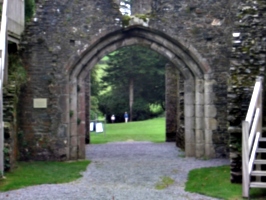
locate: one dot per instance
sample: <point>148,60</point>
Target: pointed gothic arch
<point>199,109</point>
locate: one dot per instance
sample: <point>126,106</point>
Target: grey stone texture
<point>67,38</point>
<point>10,126</point>
<point>172,103</point>
<point>247,62</point>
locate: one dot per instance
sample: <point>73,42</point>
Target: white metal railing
<point>251,132</point>
<point>3,63</point>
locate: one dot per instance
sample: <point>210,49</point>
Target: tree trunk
<point>131,98</point>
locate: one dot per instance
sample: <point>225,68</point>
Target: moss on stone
<point>125,20</point>
<point>144,17</point>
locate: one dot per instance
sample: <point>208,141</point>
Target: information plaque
<point>40,103</point>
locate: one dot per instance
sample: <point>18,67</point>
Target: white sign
<point>91,126</point>
<point>99,127</point>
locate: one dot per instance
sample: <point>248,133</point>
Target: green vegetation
<point>36,173</point>
<point>16,72</point>
<point>157,110</point>
<point>144,17</point>
<point>164,183</point>
<point>133,79</point>
<point>150,130</point>
<point>29,9</point>
<point>125,20</point>
<point>215,182</point>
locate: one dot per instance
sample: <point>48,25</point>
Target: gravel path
<point>124,171</point>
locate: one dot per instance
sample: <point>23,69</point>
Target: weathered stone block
<point>73,128</point>
<point>82,149</point>
<point>63,131</point>
<point>189,111</point>
<point>190,136</point>
<point>73,155</point>
<point>209,151</point>
<point>189,123</point>
<point>199,111</point>
<point>199,98</point>
<point>200,150</point>
<point>209,98</point>
<point>210,123</point>
<point>200,136</point>
<point>199,123</point>
<point>210,111</point>
<point>190,149</point>
<point>74,141</point>
<point>208,134</point>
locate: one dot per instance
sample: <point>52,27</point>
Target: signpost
<point>97,126</point>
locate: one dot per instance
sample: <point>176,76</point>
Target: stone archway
<point>199,109</point>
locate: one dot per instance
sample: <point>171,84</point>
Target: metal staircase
<point>253,153</point>
<point>12,25</point>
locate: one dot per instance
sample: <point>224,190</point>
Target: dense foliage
<point>136,76</point>
<point>29,9</point>
<point>95,89</point>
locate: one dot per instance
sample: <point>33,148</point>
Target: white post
<point>245,159</point>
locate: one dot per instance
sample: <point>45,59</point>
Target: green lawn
<point>36,173</point>
<point>212,181</point>
<point>149,130</point>
<point>215,182</point>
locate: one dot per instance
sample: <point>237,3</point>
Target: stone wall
<point>63,31</point>
<point>247,62</point>
<point>10,126</point>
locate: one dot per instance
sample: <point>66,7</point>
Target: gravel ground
<point>124,171</point>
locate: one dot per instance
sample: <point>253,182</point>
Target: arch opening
<point>197,108</point>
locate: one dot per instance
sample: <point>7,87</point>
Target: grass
<point>149,130</point>
<point>164,183</point>
<point>215,182</point>
<point>41,172</point>
<point>212,181</point>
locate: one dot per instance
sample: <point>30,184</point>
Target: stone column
<point>189,106</point>
<point>210,114</point>
<point>171,102</point>
<point>199,118</point>
<point>81,121</point>
<point>73,120</point>
<point>64,128</point>
<point>87,92</point>
<point>180,136</point>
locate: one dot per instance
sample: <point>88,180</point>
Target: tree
<point>94,92</point>
<point>29,9</point>
<point>138,73</point>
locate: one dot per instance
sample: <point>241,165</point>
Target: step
<point>257,185</point>
<point>263,139</point>
<point>258,173</point>
<point>260,162</point>
<point>261,150</point>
